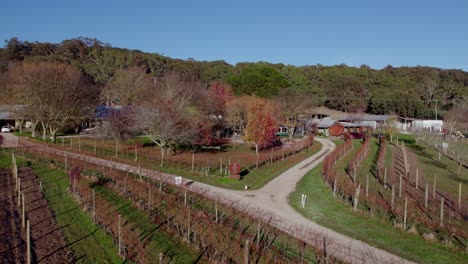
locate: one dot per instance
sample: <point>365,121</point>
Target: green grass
<point>89,243</point>
<point>256,178</point>
<point>159,241</point>
<point>445,169</point>
<point>327,211</point>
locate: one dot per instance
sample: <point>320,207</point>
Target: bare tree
<point>292,103</point>
<point>126,86</point>
<point>52,94</point>
<point>167,117</point>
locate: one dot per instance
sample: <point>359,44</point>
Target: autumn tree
<point>292,102</point>
<point>126,86</point>
<point>237,111</point>
<point>261,126</point>
<point>52,94</point>
<point>167,117</point>
<point>219,94</point>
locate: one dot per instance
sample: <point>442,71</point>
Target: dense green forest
<point>407,91</point>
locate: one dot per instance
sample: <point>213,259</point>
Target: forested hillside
<point>407,91</point>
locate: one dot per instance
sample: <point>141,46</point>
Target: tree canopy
<point>411,91</point>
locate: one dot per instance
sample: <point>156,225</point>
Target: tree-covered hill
<point>407,91</point>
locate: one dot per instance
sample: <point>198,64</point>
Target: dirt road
<point>269,202</point>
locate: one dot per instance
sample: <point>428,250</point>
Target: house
<point>366,120</point>
<point>330,127</point>
<point>9,117</point>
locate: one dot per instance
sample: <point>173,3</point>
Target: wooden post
<point>28,243</point>
<point>185,197</point>
<point>188,229</point>
<point>367,186</point>
<point>94,206</point>
<point>405,213</point>
<point>259,228</point>
<point>459,196</point>
<point>149,197</point>
<point>216,211</point>
<point>393,197</point>
<point>19,192</point>
<point>399,186</point>
<point>125,183</point>
<point>120,238</point>
<point>246,252</point>
<point>356,197</point>
<point>417,178</point>
<point>136,152</point>
<point>221,166</point>
<point>160,258</point>
<point>23,211</point>
<point>434,187</point>
<point>160,186</point>
<point>334,187</point>
<point>193,160</point>
<point>441,211</point>
<point>385,178</point>
<point>426,194</point>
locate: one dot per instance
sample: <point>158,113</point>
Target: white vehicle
<point>5,129</point>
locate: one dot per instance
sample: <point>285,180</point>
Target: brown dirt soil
<point>409,182</point>
<point>48,241</point>
<point>12,243</point>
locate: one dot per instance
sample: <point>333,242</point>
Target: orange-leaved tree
<point>261,125</point>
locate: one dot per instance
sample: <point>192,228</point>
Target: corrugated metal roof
<point>325,123</point>
<point>366,117</point>
<point>6,112</point>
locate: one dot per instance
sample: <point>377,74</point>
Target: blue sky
<point>376,33</point>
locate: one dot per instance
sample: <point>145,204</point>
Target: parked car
<point>5,129</point>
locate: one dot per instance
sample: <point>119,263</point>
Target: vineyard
<point>399,195</point>
<point>204,162</point>
<point>29,231</point>
<point>196,224</point>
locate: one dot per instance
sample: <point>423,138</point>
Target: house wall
<point>433,125</point>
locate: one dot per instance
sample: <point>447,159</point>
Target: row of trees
<point>172,110</point>
<point>407,91</point>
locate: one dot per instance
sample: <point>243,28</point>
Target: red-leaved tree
<point>261,126</point>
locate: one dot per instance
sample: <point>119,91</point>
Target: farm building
<point>431,125</point>
<point>355,127</point>
<point>8,117</point>
<point>365,120</point>
<point>330,127</point>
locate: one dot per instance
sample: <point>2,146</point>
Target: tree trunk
<point>33,128</point>
<point>21,125</point>
<point>53,133</point>
<point>162,156</point>
<point>44,130</point>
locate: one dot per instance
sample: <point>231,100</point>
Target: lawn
<point>332,213</point>
<point>89,243</point>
